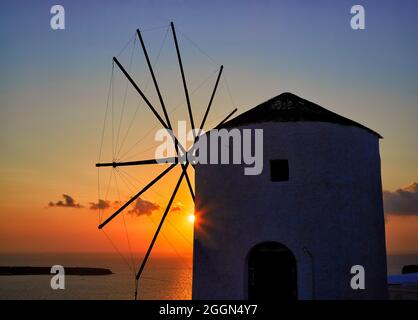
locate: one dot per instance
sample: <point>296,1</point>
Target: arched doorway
<point>271,272</point>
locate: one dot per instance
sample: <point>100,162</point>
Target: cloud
<point>177,207</point>
<point>68,202</point>
<point>101,204</point>
<point>403,201</point>
<point>144,207</point>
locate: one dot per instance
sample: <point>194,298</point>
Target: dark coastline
<point>75,271</point>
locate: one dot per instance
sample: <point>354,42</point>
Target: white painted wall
<point>331,205</point>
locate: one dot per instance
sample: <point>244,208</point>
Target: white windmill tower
<point>295,230</point>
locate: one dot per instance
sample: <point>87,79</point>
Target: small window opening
<point>279,170</point>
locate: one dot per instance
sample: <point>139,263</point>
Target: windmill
<point>183,155</point>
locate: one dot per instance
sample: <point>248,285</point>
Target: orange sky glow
<point>55,90</point>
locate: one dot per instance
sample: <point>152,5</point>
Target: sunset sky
<point>54,89</point>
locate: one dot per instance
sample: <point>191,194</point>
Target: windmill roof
<point>288,107</point>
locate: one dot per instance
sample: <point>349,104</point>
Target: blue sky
<point>56,80</point>
<point>54,85</point>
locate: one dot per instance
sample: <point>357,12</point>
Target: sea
<point>167,278</point>
<point>163,278</point>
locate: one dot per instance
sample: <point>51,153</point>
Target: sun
<point>191,218</point>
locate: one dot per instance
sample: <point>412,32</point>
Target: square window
<point>279,170</point>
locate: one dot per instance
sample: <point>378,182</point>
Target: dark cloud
<point>403,201</point>
<point>144,207</point>
<point>68,202</point>
<point>101,204</point>
<point>177,207</point>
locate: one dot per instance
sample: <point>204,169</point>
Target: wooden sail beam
<point>149,185</point>
<point>138,163</point>
<point>154,238</point>
<point>196,138</point>
<point>157,88</point>
<point>211,98</point>
<point>183,77</point>
<point>167,210</point>
<point>192,149</point>
<point>147,101</point>
<point>140,92</point>
<point>159,119</point>
<point>160,97</point>
<point>226,118</point>
<point>167,125</point>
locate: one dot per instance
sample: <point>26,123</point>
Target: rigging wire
<point>164,198</point>
<point>179,232</point>
<point>174,249</point>
<point>126,181</point>
<point>139,141</point>
<point>155,28</point>
<point>126,154</point>
<point>213,61</point>
<point>224,78</point>
<point>127,174</point>
<point>107,237</point>
<point>106,112</point>
<point>146,87</point>
<point>143,151</point>
<point>136,281</point>
<point>125,95</point>
<point>178,105</point>
<point>106,195</point>
<point>201,84</point>
<point>102,139</point>
<point>116,149</point>
<point>229,91</point>
<point>124,223</point>
<point>126,45</point>
<point>134,273</point>
<point>198,47</point>
<point>118,251</point>
<point>130,267</point>
<point>98,197</point>
<point>182,258</point>
<point>215,120</point>
<point>112,111</point>
<point>134,36</point>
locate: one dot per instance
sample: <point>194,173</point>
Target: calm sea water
<point>164,278</point>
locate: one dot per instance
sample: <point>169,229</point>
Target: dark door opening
<point>271,272</point>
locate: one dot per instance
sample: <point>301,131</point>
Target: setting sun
<point>191,218</point>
